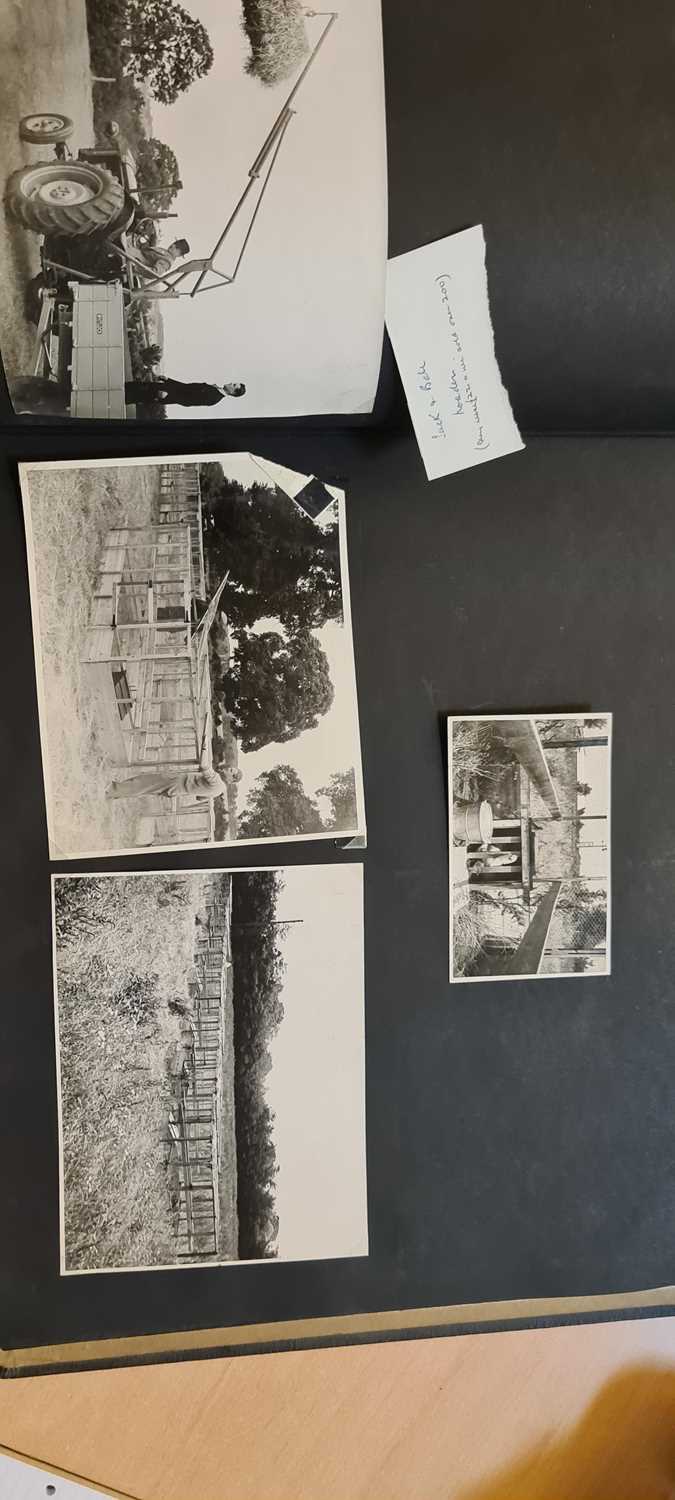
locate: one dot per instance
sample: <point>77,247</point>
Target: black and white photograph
<point>194,654</point>
<point>210,1055</point>
<point>530,846</point>
<point>194,208</point>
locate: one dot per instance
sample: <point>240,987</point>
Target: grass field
<point>120,957</point>
<point>70,511</point>
<point>46,65</point>
<point>125,949</point>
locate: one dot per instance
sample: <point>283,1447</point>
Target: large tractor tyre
<point>64,197</point>
<point>49,128</point>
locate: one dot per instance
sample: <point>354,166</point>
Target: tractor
<point>79,204</point>
<point>96,256</point>
<point>89,211</point>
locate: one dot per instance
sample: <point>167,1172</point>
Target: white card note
<point>28,1480</point>
<point>438,318</point>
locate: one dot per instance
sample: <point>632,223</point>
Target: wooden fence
<point>194,1124</point>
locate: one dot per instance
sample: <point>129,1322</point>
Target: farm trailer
<point>81,346</point>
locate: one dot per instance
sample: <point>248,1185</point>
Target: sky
<point>302,325</point>
<point>334,744</point>
<point>593,770</point>
<point>317,1084</point>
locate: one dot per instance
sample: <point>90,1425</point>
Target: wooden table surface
<point>558,1414</point>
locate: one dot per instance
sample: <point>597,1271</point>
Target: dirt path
<point>45,52</point>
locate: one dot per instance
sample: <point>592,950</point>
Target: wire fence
<point>495,922</point>
<point>577,939</point>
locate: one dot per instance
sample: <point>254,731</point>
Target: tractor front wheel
<point>70,197</point>
<point>48,128</point>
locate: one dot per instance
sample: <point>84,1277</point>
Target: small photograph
<point>210,1064</point>
<point>530,845</point>
<point>194,654</point>
<point>194,208</point>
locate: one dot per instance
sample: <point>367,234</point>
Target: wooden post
<point>590,741</point>
<point>528,955</point>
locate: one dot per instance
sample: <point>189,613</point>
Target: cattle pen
<point>146,661</point>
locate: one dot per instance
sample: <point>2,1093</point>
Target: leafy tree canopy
<point>278,807</point>
<point>281,564</point>
<point>158,173</point>
<point>341,794</point>
<point>150,356</point>
<point>258,1011</point>
<point>277,687</point>
<point>166,48</point>
<point>557,729</point>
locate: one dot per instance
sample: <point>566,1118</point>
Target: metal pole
<point>269,141</point>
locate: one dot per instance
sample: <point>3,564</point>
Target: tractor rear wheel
<point>69,197</point>
<point>48,128</point>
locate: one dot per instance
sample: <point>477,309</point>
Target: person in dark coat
<point>37,394</point>
<point>167,392</point>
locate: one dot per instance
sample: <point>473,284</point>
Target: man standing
<point>205,784</point>
<point>42,396</point>
<point>167,392</point>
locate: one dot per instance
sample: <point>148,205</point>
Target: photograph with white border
<point>194,654</point>
<point>210,1066</point>
<point>529,798</point>
<point>195,208</point>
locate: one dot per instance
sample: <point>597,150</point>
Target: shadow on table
<point>623,1448</point>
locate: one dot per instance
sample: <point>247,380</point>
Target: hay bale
<point>277,37</point>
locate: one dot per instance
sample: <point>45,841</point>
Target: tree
<point>166,48</point>
<point>585,915</point>
<point>257,1014</point>
<point>158,173</point>
<point>583,789</point>
<point>341,794</point>
<point>281,563</point>
<point>150,356</point>
<point>276,687</point>
<point>569,729</point>
<point>154,411</point>
<point>278,807</point>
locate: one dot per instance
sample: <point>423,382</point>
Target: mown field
<point>45,65</point>
<point>70,512</point>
